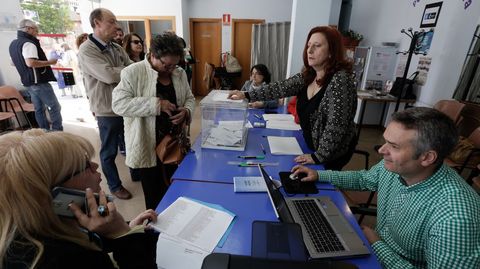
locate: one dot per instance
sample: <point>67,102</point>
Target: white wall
<point>136,8</point>
<point>11,14</point>
<point>382,21</point>
<point>305,15</point>
<point>268,10</point>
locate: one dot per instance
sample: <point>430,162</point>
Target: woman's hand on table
<point>236,95</point>
<point>304,159</point>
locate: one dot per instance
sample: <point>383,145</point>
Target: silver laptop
<point>326,232</point>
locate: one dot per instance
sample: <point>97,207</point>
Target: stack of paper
<point>281,121</point>
<point>190,230</point>
<point>280,145</point>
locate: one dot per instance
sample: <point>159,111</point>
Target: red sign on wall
<point>226,19</point>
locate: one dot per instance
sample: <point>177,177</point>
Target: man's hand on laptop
<point>311,175</point>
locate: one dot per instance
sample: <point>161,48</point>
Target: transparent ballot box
<point>223,122</point>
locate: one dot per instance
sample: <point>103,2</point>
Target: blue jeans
<point>110,128</point>
<point>42,96</point>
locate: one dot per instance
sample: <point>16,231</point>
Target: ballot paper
<point>194,223</point>
<point>280,145</point>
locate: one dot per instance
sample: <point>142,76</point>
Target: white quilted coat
<point>135,100</point>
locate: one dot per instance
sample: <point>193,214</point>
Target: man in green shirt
<point>427,216</point>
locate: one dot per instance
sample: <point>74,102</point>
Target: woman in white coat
<point>152,96</point>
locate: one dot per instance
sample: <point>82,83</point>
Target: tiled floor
<point>79,120</point>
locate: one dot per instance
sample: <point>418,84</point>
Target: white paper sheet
<point>173,253</point>
<point>193,223</point>
<point>249,184</point>
<point>281,121</point>
<point>278,117</point>
<point>284,145</point>
<point>283,125</point>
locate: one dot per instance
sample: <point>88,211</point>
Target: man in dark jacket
<point>35,73</point>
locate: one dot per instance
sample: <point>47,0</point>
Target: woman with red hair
<point>326,99</point>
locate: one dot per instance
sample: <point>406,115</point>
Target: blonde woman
<point>33,236</point>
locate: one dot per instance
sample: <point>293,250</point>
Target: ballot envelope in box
<point>223,122</point>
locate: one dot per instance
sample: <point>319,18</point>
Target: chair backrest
<point>474,137</point>
<point>11,92</point>
<point>452,108</point>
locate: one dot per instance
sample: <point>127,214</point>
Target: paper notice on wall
<point>402,62</point>
<point>423,68</point>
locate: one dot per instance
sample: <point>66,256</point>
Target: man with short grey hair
<point>101,62</point>
<point>427,215</point>
<point>35,73</point>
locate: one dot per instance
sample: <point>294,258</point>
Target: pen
<point>263,149</point>
<point>248,164</point>
<point>252,157</point>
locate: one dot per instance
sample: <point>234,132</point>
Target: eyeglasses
<point>88,165</point>
<point>168,67</point>
<point>136,42</point>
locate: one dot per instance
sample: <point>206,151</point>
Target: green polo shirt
<point>432,224</point>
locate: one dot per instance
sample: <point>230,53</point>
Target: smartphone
<point>62,197</point>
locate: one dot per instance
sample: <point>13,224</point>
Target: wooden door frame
<point>146,20</point>
<point>192,21</point>
<point>254,21</point>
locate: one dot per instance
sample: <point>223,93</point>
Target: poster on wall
<point>402,63</point>
<point>431,14</point>
<point>423,67</point>
<point>424,42</point>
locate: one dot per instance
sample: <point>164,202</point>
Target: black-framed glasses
<point>168,67</point>
<point>136,42</point>
<point>88,165</point>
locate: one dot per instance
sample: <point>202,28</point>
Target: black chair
<point>364,209</point>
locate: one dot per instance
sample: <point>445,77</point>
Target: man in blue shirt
<point>35,72</point>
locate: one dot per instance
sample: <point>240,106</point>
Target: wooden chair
<point>16,102</point>
<point>452,108</point>
<point>6,116</point>
<point>474,138</point>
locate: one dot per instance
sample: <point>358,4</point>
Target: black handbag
<point>407,87</point>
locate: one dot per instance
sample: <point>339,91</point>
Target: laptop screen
<point>276,198</point>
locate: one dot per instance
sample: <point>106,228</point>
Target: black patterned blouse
<point>332,123</point>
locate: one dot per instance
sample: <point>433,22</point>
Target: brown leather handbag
<point>174,146</point>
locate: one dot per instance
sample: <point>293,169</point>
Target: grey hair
<point>435,130</point>
<point>23,24</point>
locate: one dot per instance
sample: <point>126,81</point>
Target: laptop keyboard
<point>317,226</point>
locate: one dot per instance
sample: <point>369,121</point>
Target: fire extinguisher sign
<point>226,19</point>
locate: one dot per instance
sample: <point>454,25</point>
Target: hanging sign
<point>226,19</point>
